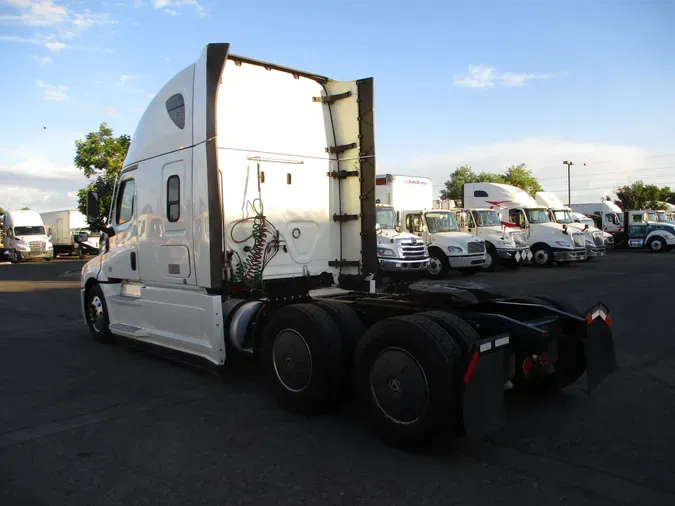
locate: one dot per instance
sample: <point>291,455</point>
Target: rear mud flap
<point>599,346</point>
<point>483,394</point>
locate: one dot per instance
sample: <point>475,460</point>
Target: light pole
<point>569,192</point>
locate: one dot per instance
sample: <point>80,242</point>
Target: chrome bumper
<point>569,255</point>
<point>398,265</point>
<point>594,251</point>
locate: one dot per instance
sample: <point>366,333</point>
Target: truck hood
<point>32,238</point>
<point>452,238</point>
<point>386,236</point>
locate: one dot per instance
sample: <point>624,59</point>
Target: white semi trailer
<point>262,180</point>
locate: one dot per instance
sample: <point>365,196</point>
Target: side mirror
<point>397,228</point>
<point>92,207</point>
<point>377,227</point>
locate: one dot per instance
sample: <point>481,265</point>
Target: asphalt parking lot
<point>87,424</point>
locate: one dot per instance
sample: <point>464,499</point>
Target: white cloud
<point>42,60</point>
<point>163,4</point>
<point>607,166</point>
<point>53,92</point>
<point>38,167</point>
<point>67,22</point>
<point>484,76</point>
<point>53,46</point>
<point>112,112</point>
<point>38,199</point>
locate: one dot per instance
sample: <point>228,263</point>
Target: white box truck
<point>24,237</point>
<point>560,213</point>
<point>67,229</point>
<point>262,180</point>
<point>449,247</point>
<point>606,214</point>
<point>549,242</point>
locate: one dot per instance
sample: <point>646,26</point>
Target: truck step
<point>128,330</point>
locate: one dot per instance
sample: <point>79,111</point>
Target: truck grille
<point>579,241</point>
<point>599,239</point>
<point>477,247</point>
<point>36,247</point>
<point>413,251</point>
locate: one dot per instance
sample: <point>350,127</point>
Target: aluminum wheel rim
<point>292,360</point>
<point>399,386</point>
<point>435,267</point>
<point>656,245</point>
<point>488,260</point>
<point>96,313</point>
<point>541,256</point>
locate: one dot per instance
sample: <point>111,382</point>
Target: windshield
<point>441,221</point>
<point>486,218</point>
<point>537,216</point>
<point>588,222</point>
<point>37,230</point>
<point>386,218</point>
<point>563,216</point>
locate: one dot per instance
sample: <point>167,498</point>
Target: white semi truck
<point>263,179</point>
<point>505,246</point>
<point>25,238</point>
<point>449,247</point>
<point>549,242</point>
<point>559,213</point>
<point>606,214</point>
<point>67,230</point>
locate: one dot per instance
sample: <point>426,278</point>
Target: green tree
<point>25,209</point>
<point>641,196</point>
<point>521,177</point>
<point>2,210</point>
<point>516,175</point>
<point>100,156</point>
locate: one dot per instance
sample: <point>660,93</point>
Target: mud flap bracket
<point>599,349</point>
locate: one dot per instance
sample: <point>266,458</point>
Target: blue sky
<point>488,83</point>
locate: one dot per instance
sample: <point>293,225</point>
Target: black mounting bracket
<point>342,174</point>
<point>344,263</point>
<point>340,149</point>
<point>329,99</point>
<point>345,217</point>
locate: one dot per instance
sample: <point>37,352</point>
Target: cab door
<point>121,260</point>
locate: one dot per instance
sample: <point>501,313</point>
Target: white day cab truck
<point>449,248</point>
<point>639,232</point>
<point>24,237</point>
<point>70,233</point>
<point>561,214</point>
<point>549,242</point>
<point>504,246</point>
<point>272,257</point>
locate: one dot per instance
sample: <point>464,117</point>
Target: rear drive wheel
<point>303,354</point>
<point>463,333</point>
<point>405,371</point>
<point>97,315</point>
<point>348,322</point>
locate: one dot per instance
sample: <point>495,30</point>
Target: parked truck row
<point>271,227</point>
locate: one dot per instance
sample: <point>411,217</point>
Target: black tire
<point>438,264</point>
<point>306,336</point>
<point>428,356</point>
<point>542,256</point>
<point>463,333</point>
<point>657,245</point>
<point>14,257</point>
<point>348,322</point>
<point>96,312</point>
<point>571,363</point>
<point>493,257</point>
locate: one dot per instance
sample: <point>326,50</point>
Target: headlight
<point>455,249</point>
<point>385,252</point>
<point>50,245</point>
<point>563,244</point>
<point>510,244</point>
<point>23,247</point>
